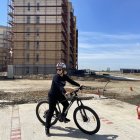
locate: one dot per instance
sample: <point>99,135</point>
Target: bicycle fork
<point>82,111</point>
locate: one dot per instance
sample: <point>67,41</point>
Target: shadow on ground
<point>76,133</point>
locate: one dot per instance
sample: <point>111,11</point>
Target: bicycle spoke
<point>90,124</point>
<point>41,111</point>
<point>86,120</point>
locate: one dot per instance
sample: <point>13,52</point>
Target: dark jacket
<point>58,84</point>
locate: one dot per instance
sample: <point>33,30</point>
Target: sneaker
<point>47,130</point>
<point>61,118</point>
<point>66,120</point>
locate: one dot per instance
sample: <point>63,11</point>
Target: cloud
<point>106,55</point>
<point>99,35</point>
<point>100,46</point>
<point>130,49</point>
<point>88,45</point>
<point>95,37</point>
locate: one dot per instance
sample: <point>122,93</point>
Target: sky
<point>109,33</point>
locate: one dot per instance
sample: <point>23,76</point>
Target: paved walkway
<point>118,122</point>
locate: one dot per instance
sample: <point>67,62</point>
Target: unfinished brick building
<point>42,33</point>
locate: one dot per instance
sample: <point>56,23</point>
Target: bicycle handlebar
<point>76,90</point>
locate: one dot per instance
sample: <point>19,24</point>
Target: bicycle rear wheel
<point>41,112</point>
<point>86,120</point>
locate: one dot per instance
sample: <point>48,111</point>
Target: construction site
<point>41,34</point>
<point>116,103</point>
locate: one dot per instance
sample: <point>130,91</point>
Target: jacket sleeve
<point>58,85</point>
<point>72,81</point>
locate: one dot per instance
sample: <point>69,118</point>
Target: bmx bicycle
<point>85,118</point>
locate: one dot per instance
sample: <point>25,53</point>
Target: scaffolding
<point>41,34</point>
<point>3,48</point>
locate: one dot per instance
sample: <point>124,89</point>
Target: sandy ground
<point>119,120</point>
<point>24,90</point>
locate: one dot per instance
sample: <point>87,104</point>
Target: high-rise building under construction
<point>42,33</point>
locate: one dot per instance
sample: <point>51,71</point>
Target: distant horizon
<point>111,69</point>
<point>109,33</point>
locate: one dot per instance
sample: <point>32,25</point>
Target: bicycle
<point>85,118</point>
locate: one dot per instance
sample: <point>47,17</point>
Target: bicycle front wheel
<point>41,112</point>
<point>86,120</point>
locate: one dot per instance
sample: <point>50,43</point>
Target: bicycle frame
<point>79,103</point>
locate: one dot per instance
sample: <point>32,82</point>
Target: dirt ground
<point>27,90</point>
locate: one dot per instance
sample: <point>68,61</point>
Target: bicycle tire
<point>41,117</point>
<point>80,126</point>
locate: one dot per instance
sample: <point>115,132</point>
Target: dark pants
<point>53,99</point>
